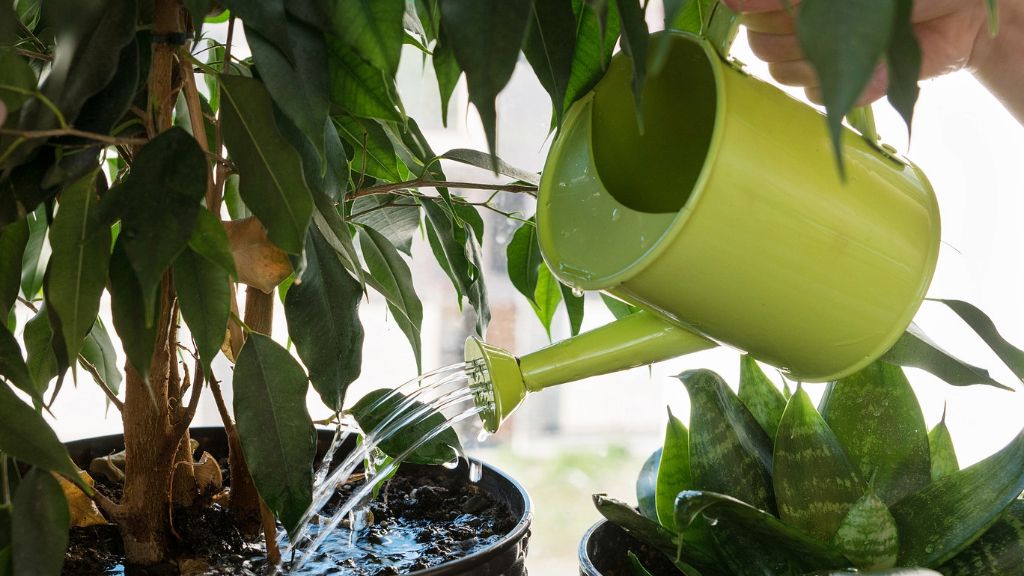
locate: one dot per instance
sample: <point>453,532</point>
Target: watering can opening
<point>650,162</point>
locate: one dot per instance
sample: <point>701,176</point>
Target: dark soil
<point>418,521</point>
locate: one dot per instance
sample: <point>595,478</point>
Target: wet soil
<point>418,521</point>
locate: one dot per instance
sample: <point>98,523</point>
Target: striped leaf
<point>943,454</point>
<point>997,553</point>
<point>673,471</point>
<point>867,536</point>
<point>760,395</point>
<point>729,452</point>
<point>878,421</point>
<point>646,486</point>
<point>949,514</point>
<point>815,483</point>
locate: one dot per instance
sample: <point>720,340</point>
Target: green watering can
<point>727,222</point>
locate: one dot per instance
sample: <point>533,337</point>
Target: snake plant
<point>764,484</point>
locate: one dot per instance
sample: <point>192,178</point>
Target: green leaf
<point>277,434</point>
<point>448,72</point>
<point>549,47</point>
<point>867,535</point>
<point>16,79</point>
<point>594,45</point>
<point>641,528</point>
<point>950,513</point>
<point>893,572</point>
<point>357,87</point>
<point>374,154</point>
<point>12,365</point>
<point>271,179</point>
<point>878,421</point>
<point>634,44</point>
<point>265,16</point>
<point>752,534</point>
<point>210,240</point>
<point>323,321</point>
<point>997,552</point>
<point>393,274</point>
<point>760,396</point>
<point>903,57</point>
<point>40,521</point>
<point>204,294</point>
<point>485,36</point>
<point>13,239</point>
<point>297,80</point>
<point>395,217</point>
<point>674,474</point>
<point>943,454</point>
<point>728,449</point>
<point>197,10</point>
<point>917,350</point>
<point>378,408</point>
<point>159,204</point>
<point>338,235</point>
<point>647,486</point>
<point>618,308</point>
<point>40,359</point>
<point>98,350</point>
<point>546,298</point>
<point>844,41</point>
<point>37,254</point>
<point>815,483</point>
<point>450,254</point>
<point>983,326</point>
<point>27,437</point>
<point>524,260</point>
<point>77,272</point>
<point>489,162</point>
<point>373,28</point>
<point>130,310</point>
<point>574,307</point>
<point>688,15</point>
<point>636,567</point>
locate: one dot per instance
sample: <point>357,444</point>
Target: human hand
<point>950,32</point>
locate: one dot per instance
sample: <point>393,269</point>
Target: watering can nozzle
<point>495,375</point>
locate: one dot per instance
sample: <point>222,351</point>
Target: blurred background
<point>570,442</point>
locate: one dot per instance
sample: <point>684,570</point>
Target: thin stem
<point>56,132</point>
<point>195,115</point>
<point>33,54</point>
<point>421,183</point>
<point>193,401</point>
<point>222,407</point>
<point>28,304</point>
<point>101,382</point>
<point>24,30</point>
<point>221,172</point>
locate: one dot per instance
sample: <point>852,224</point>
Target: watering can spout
<point>635,340</point>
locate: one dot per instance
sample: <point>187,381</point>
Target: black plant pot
<point>604,548</point>
<point>507,557</point>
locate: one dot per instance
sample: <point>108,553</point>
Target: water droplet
<point>616,215</point>
<point>476,471</point>
<point>483,436</point>
<point>577,292</point>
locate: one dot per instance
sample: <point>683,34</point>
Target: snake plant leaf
<point>903,57</point>
<point>204,295</point>
<point>378,414</point>
<point>943,454</point>
<point>844,41</point>
<point>746,532</point>
<point>635,37</point>
<point>549,47</point>
<point>393,274</point>
<point>674,474</point>
<point>878,421</point>
<point>26,436</point>
<point>682,553</point>
<point>983,326</point>
<point>916,349</point>
<point>276,431</point>
<point>77,271</point>
<point>595,41</point>
<point>485,36</point>
<point>815,483</point>
<point>37,254</point>
<point>322,311</point>
<point>997,552</point>
<point>271,181</point>
<point>949,514</point>
<point>867,535</point>
<point>760,396</point>
<point>647,485</point>
<point>40,521</point>
<point>13,239</point>
<point>729,452</point>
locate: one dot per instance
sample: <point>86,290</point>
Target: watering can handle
<point>721,29</point>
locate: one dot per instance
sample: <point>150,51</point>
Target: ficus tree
<point>144,160</point>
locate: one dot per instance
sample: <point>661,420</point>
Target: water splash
<point>449,391</point>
